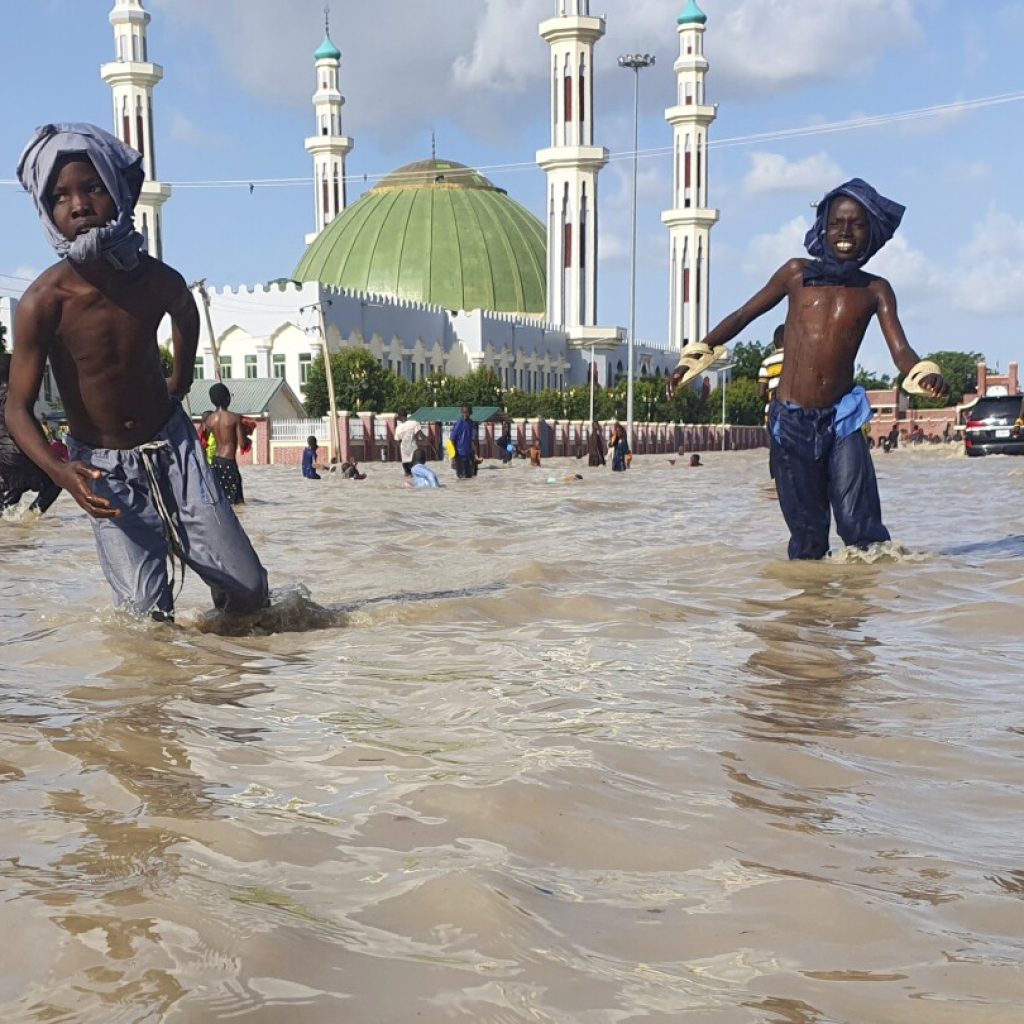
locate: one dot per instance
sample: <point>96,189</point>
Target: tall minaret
<point>690,221</point>
<point>328,146</point>
<point>572,163</point>
<point>132,78</point>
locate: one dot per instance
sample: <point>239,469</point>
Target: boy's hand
<point>935,385</point>
<point>673,382</point>
<point>74,478</point>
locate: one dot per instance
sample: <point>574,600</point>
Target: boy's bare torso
<point>103,349</point>
<point>225,426</point>
<point>825,326</point>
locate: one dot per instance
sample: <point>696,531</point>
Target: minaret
<point>690,221</point>
<point>572,163</point>
<point>132,78</point>
<point>328,146</point>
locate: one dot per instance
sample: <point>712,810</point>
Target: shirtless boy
<point>819,453</point>
<point>226,427</point>
<point>136,465</point>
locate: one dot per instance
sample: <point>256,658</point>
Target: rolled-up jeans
<point>815,471</point>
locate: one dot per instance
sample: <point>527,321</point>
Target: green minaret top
<point>327,51</point>
<point>692,14</point>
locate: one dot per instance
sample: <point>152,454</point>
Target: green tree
<point>961,372</point>
<point>480,387</point>
<point>743,405</point>
<point>872,381</point>
<point>167,360</point>
<point>361,384</point>
<point>746,359</point>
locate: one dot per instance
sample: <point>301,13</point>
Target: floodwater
<point>581,752</point>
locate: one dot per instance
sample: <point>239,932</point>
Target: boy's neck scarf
<point>884,218</point>
<point>120,169</point>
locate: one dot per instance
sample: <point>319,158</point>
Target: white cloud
<point>405,65</point>
<point>907,269</point>
<point>772,172</point>
<point>186,131</point>
<point>763,46</point>
<point>989,278</point>
<point>766,253</point>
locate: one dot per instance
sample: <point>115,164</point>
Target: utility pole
<point>335,439</point>
<point>200,286</point>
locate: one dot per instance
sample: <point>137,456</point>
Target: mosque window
<point>277,365</point>
<point>689,94</point>
<point>567,244</point>
<point>567,96</point>
<point>251,369</point>
<point>305,361</point>
<point>199,370</point>
<point>47,385</point>
<point>225,366</point>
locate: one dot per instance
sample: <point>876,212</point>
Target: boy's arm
<point>903,355</point>
<point>184,316</point>
<point>35,325</point>
<point>767,298</point>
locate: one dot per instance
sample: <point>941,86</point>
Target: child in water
<point>136,464</point>
<point>818,452</point>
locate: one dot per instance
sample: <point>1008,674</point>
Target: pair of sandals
<point>697,357</point>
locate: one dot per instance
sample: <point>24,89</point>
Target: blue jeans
<point>817,472</point>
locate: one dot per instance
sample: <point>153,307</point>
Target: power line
<point>828,128</point>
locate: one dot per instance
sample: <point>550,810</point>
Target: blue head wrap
<point>120,169</point>
<point>884,218</point>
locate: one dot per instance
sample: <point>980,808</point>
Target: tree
<point>167,360</point>
<point>746,359</point>
<point>480,387</point>
<point>871,381</point>
<point>361,384</point>
<point>743,405</point>
<point>961,372</point>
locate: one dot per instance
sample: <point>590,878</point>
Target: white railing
<point>298,431</point>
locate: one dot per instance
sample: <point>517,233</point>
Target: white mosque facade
<point>399,273</point>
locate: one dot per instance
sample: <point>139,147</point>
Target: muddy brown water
<point>580,752</point>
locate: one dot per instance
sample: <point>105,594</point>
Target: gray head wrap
<point>119,167</point>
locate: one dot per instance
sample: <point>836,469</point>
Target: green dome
<point>436,232</point>
<point>327,51</point>
<point>692,14</point>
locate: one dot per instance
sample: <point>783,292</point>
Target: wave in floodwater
<point>515,751</point>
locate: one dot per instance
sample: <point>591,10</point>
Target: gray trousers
<point>190,508</point>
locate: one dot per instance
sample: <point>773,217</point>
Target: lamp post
<point>634,61</point>
<point>724,371</point>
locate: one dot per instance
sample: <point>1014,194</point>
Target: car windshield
<point>1005,408</point>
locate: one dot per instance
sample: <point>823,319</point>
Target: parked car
<point>994,426</point>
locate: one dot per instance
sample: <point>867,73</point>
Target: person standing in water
<point>226,427</point>
<point>136,465</point>
<point>818,451</point>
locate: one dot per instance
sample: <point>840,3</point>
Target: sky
<point>235,105</point>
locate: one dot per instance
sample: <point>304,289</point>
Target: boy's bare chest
<point>95,327</point>
<point>819,308</point>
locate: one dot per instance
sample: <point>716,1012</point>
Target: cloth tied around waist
<point>812,433</point>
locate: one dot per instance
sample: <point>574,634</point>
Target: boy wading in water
<point>226,427</point>
<point>818,451</point>
<point>137,467</point>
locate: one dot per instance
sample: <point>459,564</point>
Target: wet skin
<point>226,427</point>
<point>825,325</point>
<point>98,328</point>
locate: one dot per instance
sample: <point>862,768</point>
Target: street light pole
<point>634,61</point>
<point>724,371</point>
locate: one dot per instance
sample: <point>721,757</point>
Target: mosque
<point>435,268</point>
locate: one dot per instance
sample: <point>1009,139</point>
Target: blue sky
<point>235,104</point>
